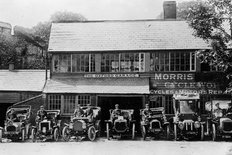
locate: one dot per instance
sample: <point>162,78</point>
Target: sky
<point>28,13</point>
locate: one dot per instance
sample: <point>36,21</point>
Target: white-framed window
<point>54,102</point>
<point>173,61</point>
<point>123,62</point>
<point>67,102</point>
<point>75,63</point>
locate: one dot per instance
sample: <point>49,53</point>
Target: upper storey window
<point>123,62</point>
<point>173,61</point>
<point>75,63</point>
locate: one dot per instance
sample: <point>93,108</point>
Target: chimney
<point>169,9</point>
<point>11,66</point>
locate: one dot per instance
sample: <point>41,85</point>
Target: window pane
<point>54,102</point>
<point>69,104</point>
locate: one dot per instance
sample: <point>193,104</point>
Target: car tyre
<point>56,134</point>
<point>202,132</point>
<point>107,131</point>
<point>175,132</point>
<point>23,134</point>
<point>0,135</point>
<point>133,131</point>
<point>65,134</point>
<point>168,132</point>
<point>214,132</point>
<point>33,135</point>
<point>92,133</point>
<point>143,130</point>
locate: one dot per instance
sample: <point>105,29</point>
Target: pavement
<point>103,146</point>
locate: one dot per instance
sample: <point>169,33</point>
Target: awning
<point>98,86</point>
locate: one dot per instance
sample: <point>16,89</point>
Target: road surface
<point>117,147</point>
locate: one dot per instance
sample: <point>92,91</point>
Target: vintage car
<point>122,125</point>
<point>82,127</point>
<point>219,122</point>
<point>187,122</point>
<point>155,124</point>
<point>47,128</point>
<point>17,126</point>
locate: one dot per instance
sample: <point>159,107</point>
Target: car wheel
<point>133,131</point>
<point>107,131</point>
<point>91,133</point>
<point>33,135</point>
<point>214,133</point>
<point>202,132</point>
<point>0,135</point>
<point>56,134</point>
<point>168,132</point>
<point>65,134</point>
<point>23,135</point>
<point>175,131</point>
<point>143,130</point>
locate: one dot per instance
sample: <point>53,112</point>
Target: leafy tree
<point>211,20</point>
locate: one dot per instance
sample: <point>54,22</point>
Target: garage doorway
<point>125,102</point>
<point>3,108</point>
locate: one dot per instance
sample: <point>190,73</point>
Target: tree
<point>211,20</point>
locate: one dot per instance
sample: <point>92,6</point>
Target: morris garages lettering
<point>178,76</point>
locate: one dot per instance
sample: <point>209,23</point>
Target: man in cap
<point>229,109</point>
<point>218,111</point>
<point>41,114</point>
<point>78,112</point>
<point>147,111</point>
<point>89,112</point>
<point>116,112</point>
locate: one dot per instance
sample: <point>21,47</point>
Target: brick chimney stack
<point>169,9</point>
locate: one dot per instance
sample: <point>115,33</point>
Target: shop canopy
<point>98,86</point>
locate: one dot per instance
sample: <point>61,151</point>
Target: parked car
<point>156,124</point>
<point>47,128</point>
<point>219,123</point>
<point>81,127</point>
<point>122,125</point>
<point>187,122</point>
<point>17,126</point>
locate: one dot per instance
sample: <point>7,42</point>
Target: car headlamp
<point>83,125</point>
<point>181,125</point>
<point>71,125</point>
<point>197,124</point>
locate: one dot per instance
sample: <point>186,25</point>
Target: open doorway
<point>128,102</point>
<point>3,109</point>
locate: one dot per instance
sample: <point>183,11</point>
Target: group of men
<point>218,111</point>
<point>79,112</point>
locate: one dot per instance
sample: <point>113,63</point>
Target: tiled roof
<point>123,35</point>
<point>22,80</point>
<point>101,86</point>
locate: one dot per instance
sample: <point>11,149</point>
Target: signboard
<point>181,83</point>
<point>110,75</point>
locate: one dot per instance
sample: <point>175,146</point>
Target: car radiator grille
<point>155,125</point>
<point>44,125</point>
<point>120,126</point>
<point>11,128</point>
<point>227,126</point>
<point>77,126</point>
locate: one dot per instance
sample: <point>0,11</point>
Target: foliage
<point>211,21</point>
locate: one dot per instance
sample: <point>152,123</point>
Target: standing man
<point>146,113</point>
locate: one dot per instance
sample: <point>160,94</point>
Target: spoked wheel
<point>143,130</point>
<point>65,134</point>
<point>92,133</point>
<point>0,135</point>
<point>23,135</point>
<point>202,132</point>
<point>214,133</point>
<point>133,131</point>
<point>168,132</point>
<point>33,135</point>
<point>107,131</point>
<point>175,131</point>
<point>56,134</point>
